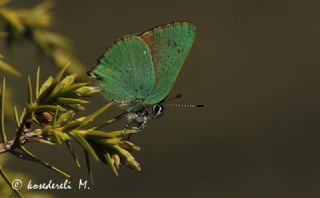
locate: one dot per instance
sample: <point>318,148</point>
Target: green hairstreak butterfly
<point>138,71</point>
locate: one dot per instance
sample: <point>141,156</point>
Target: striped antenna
<point>164,103</point>
<point>186,105</point>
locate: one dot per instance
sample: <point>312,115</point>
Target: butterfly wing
<point>169,46</point>
<point>125,72</point>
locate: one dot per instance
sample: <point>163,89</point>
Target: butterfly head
<point>157,110</point>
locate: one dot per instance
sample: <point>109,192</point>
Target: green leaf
<point>110,162</point>
<point>37,82</point>
<point>95,114</point>
<point>72,125</point>
<point>112,134</point>
<point>44,163</point>
<point>58,77</point>
<point>47,108</point>
<point>76,124</point>
<point>62,100</point>
<point>47,39</point>
<point>72,88</point>
<point>16,117</point>
<point>129,159</point>
<point>86,91</point>
<point>65,117</point>
<point>5,67</point>
<point>116,160</point>
<point>88,164</point>
<point>74,107</point>
<point>30,96</point>
<point>3,132</point>
<point>12,19</point>
<point>129,146</point>
<point>84,143</point>
<point>24,110</point>
<point>73,154</point>
<point>46,84</point>
<point>67,81</point>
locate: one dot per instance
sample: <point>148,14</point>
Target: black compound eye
<point>157,110</point>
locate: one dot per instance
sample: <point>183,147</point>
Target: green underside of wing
<point>144,68</point>
<point>169,46</point>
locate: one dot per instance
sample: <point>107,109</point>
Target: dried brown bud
<point>28,123</point>
<point>44,117</point>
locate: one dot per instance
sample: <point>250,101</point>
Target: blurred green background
<point>256,66</point>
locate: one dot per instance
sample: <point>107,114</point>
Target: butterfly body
<point>140,112</point>
<point>138,71</point>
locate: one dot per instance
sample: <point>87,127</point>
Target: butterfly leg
<point>131,117</point>
<point>140,120</point>
<point>128,126</point>
<point>143,123</point>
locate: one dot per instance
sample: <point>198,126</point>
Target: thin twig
<point>10,145</point>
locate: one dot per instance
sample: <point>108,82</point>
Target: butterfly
<point>138,71</point>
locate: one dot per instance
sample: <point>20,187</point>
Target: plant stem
<point>21,129</point>
<point>10,145</point>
